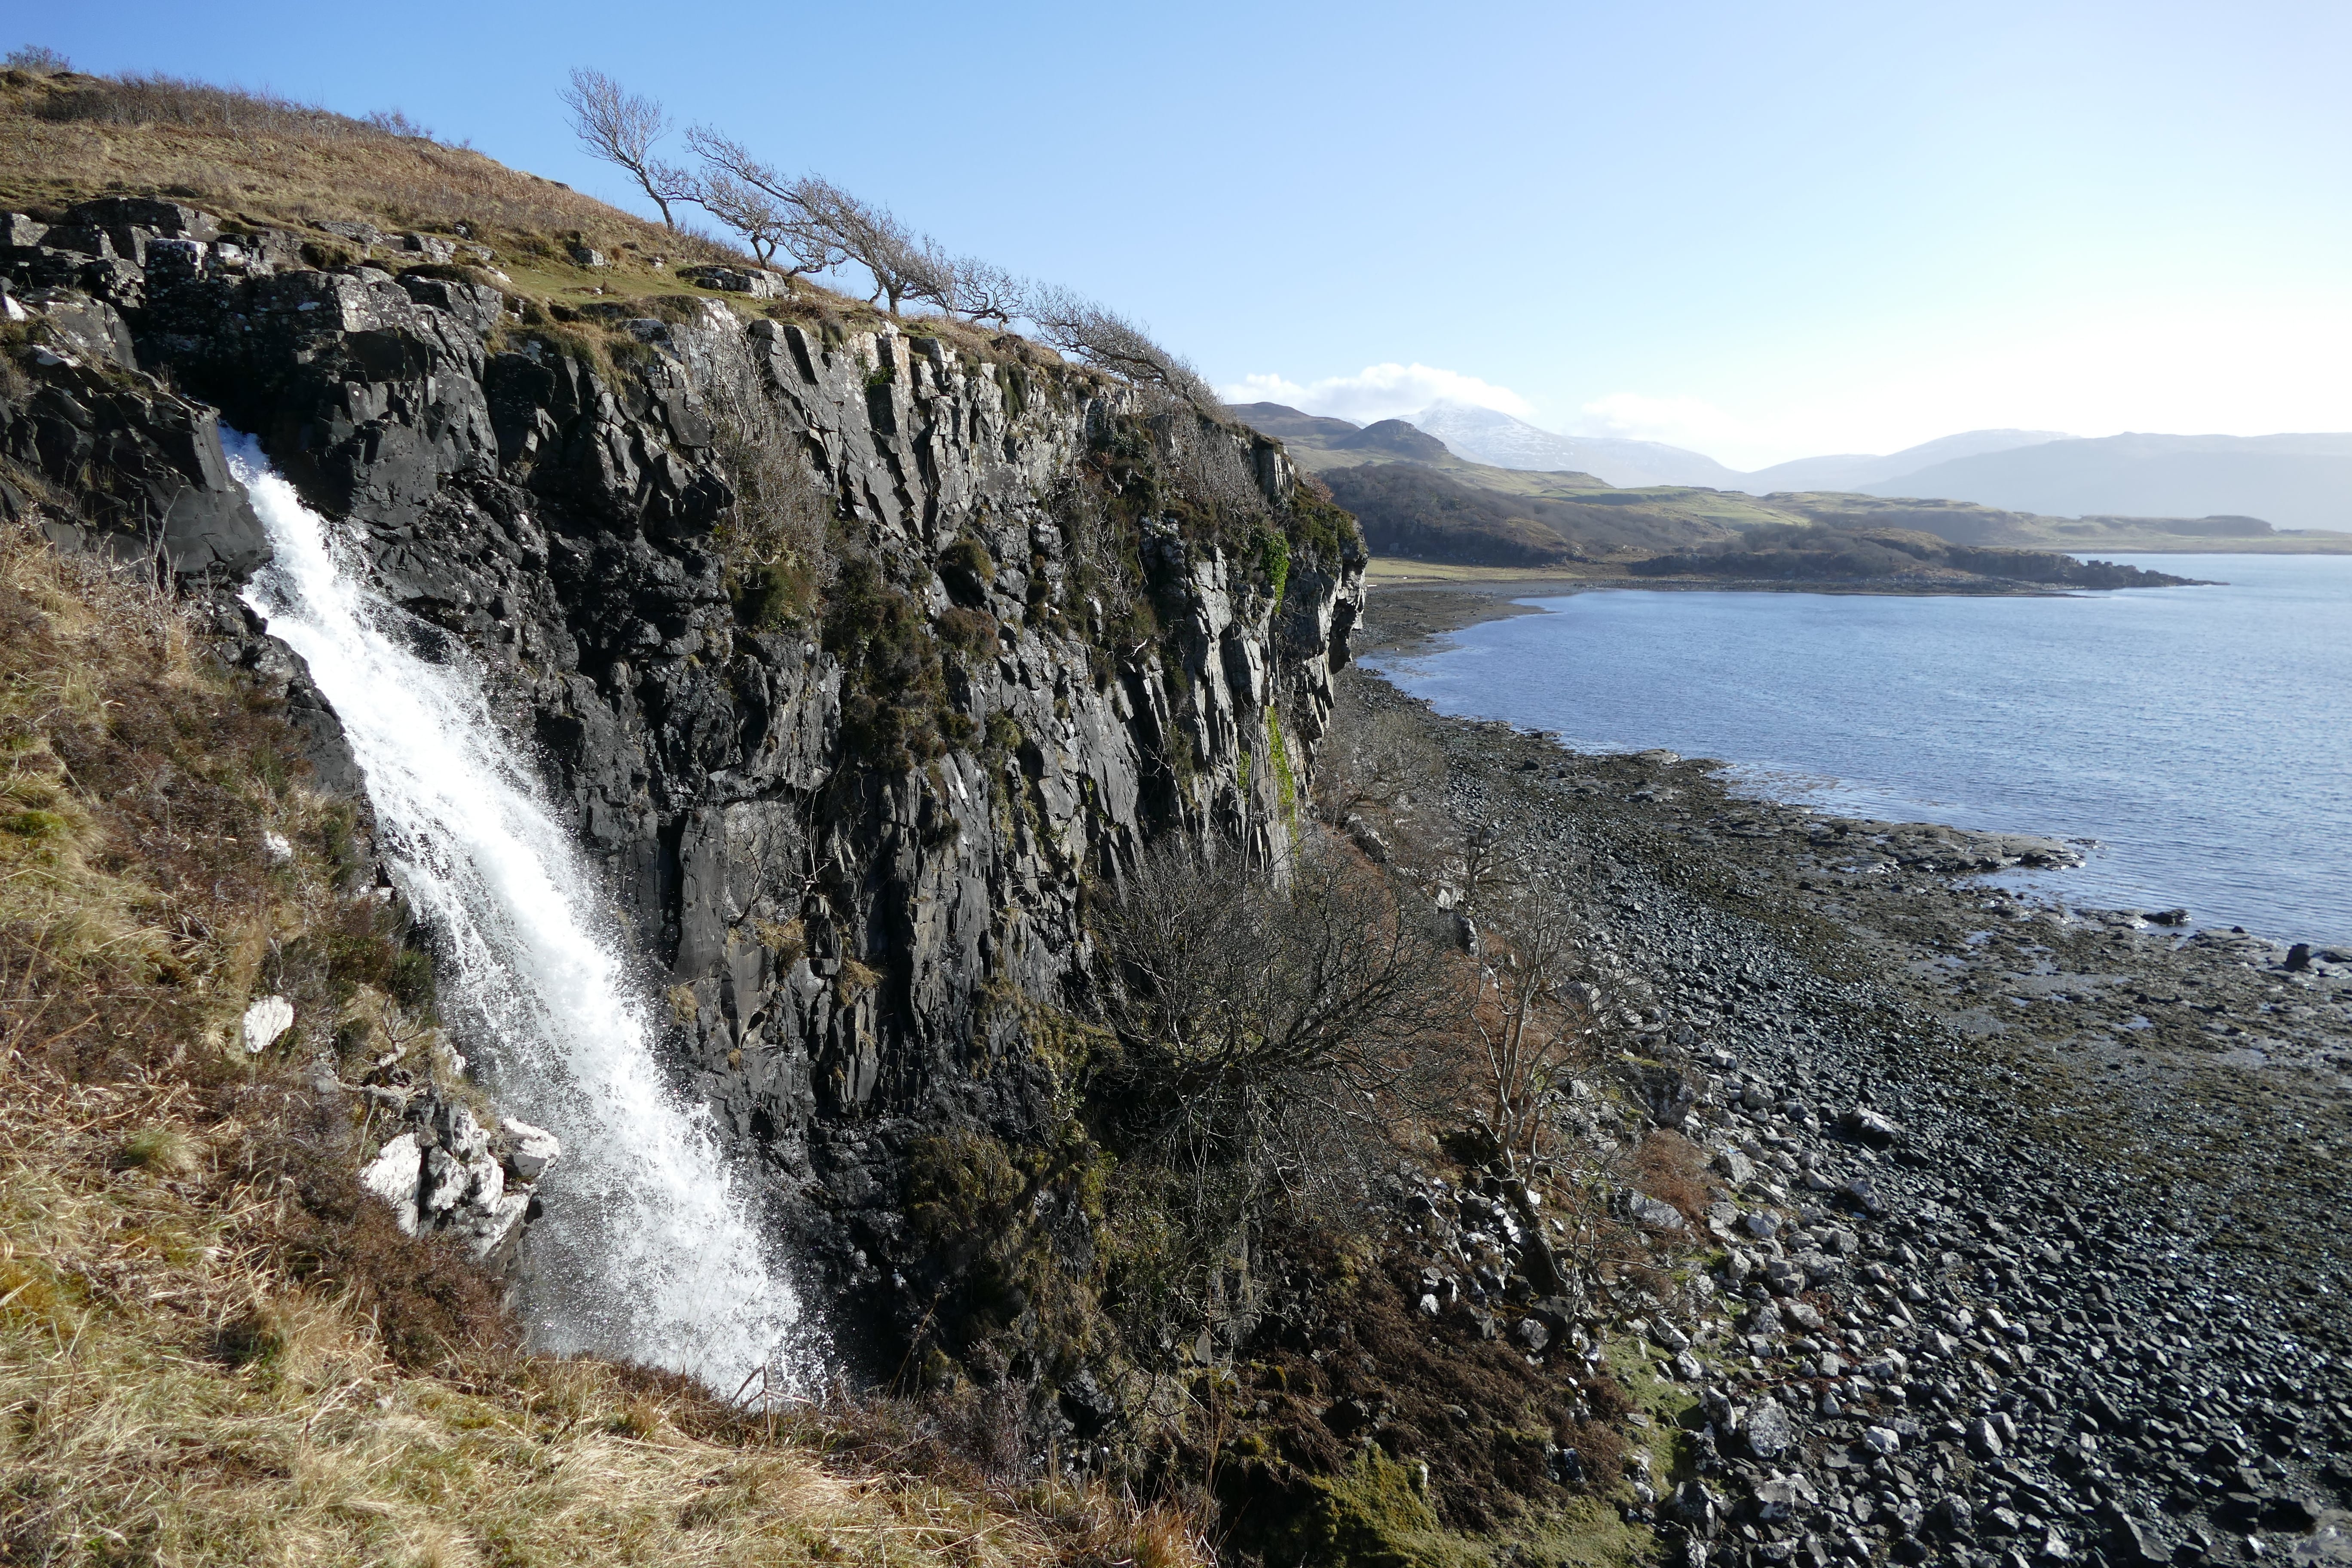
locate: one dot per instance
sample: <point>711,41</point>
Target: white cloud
<point>1378,392</point>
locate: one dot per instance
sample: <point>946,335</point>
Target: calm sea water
<point>2201,736</point>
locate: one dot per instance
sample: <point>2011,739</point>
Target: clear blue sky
<point>1759,230</point>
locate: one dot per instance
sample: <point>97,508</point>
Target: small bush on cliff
<point>895,712</point>
<point>777,541</point>
<point>1268,1032</point>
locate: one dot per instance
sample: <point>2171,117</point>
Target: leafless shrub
<point>158,100</point>
<point>1205,464</point>
<point>33,59</point>
<point>395,122</point>
<point>1101,568</point>
<point>1269,1030</point>
<point>1384,766</point>
<point>620,127</point>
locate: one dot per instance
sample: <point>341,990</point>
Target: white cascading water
<point>649,1250</point>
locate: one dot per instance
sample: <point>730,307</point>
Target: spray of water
<point>648,1249</point>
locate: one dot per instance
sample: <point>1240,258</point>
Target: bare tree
<point>740,189</point>
<point>763,220</point>
<point>901,265</point>
<point>983,291</point>
<point>621,128</point>
<point>1382,765</point>
<point>1110,341</point>
<point>821,226</point>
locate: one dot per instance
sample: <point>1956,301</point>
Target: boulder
<point>1768,1431</point>
<point>530,1149</point>
<point>264,1022</point>
<point>395,1176</point>
<point>1653,1214</point>
<point>758,282</point>
<point>1867,1126</point>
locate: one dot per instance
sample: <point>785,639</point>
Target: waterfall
<point>649,1250</point>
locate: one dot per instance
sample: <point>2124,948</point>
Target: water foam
<point>649,1250</point>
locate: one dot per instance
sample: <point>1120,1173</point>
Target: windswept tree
<point>901,265</point>
<point>983,292</point>
<point>620,127</point>
<point>1110,341</point>
<point>775,215</point>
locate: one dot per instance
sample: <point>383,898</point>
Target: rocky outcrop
<point>443,1173</point>
<point>857,845</point>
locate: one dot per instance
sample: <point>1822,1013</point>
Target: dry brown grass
<point>70,137</point>
<point>212,1348</point>
<point>267,162</point>
<point>1672,1169</point>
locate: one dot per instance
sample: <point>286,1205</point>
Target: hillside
<point>1420,501</point>
<point>2292,482</point>
<point>1853,470</point>
<point>1426,515</point>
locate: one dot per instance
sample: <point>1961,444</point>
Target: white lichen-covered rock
<point>264,1021</point>
<point>497,1225</point>
<point>530,1151</point>
<point>445,1180</point>
<point>395,1176</point>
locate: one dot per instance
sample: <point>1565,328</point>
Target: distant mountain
<point>2291,481</point>
<point>1850,470</point>
<point>1495,514</point>
<point>1397,439</point>
<point>1484,435</point>
<point>1285,422</point>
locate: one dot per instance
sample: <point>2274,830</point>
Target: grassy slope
<point>1967,522</point>
<point>283,166</point>
<point>212,1349</point>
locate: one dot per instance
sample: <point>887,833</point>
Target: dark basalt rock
<point>852,945</point>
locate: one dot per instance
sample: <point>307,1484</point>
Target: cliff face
<point>856,844</point>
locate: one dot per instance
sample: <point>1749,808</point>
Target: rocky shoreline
<point>2032,1244</point>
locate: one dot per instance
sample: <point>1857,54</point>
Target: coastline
<point>2136,1016</point>
<point>2094,1163</point>
<point>1415,611</point>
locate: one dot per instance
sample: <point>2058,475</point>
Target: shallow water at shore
<point>2202,736</point>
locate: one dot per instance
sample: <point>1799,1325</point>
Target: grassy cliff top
<point>261,161</point>
<point>272,163</point>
